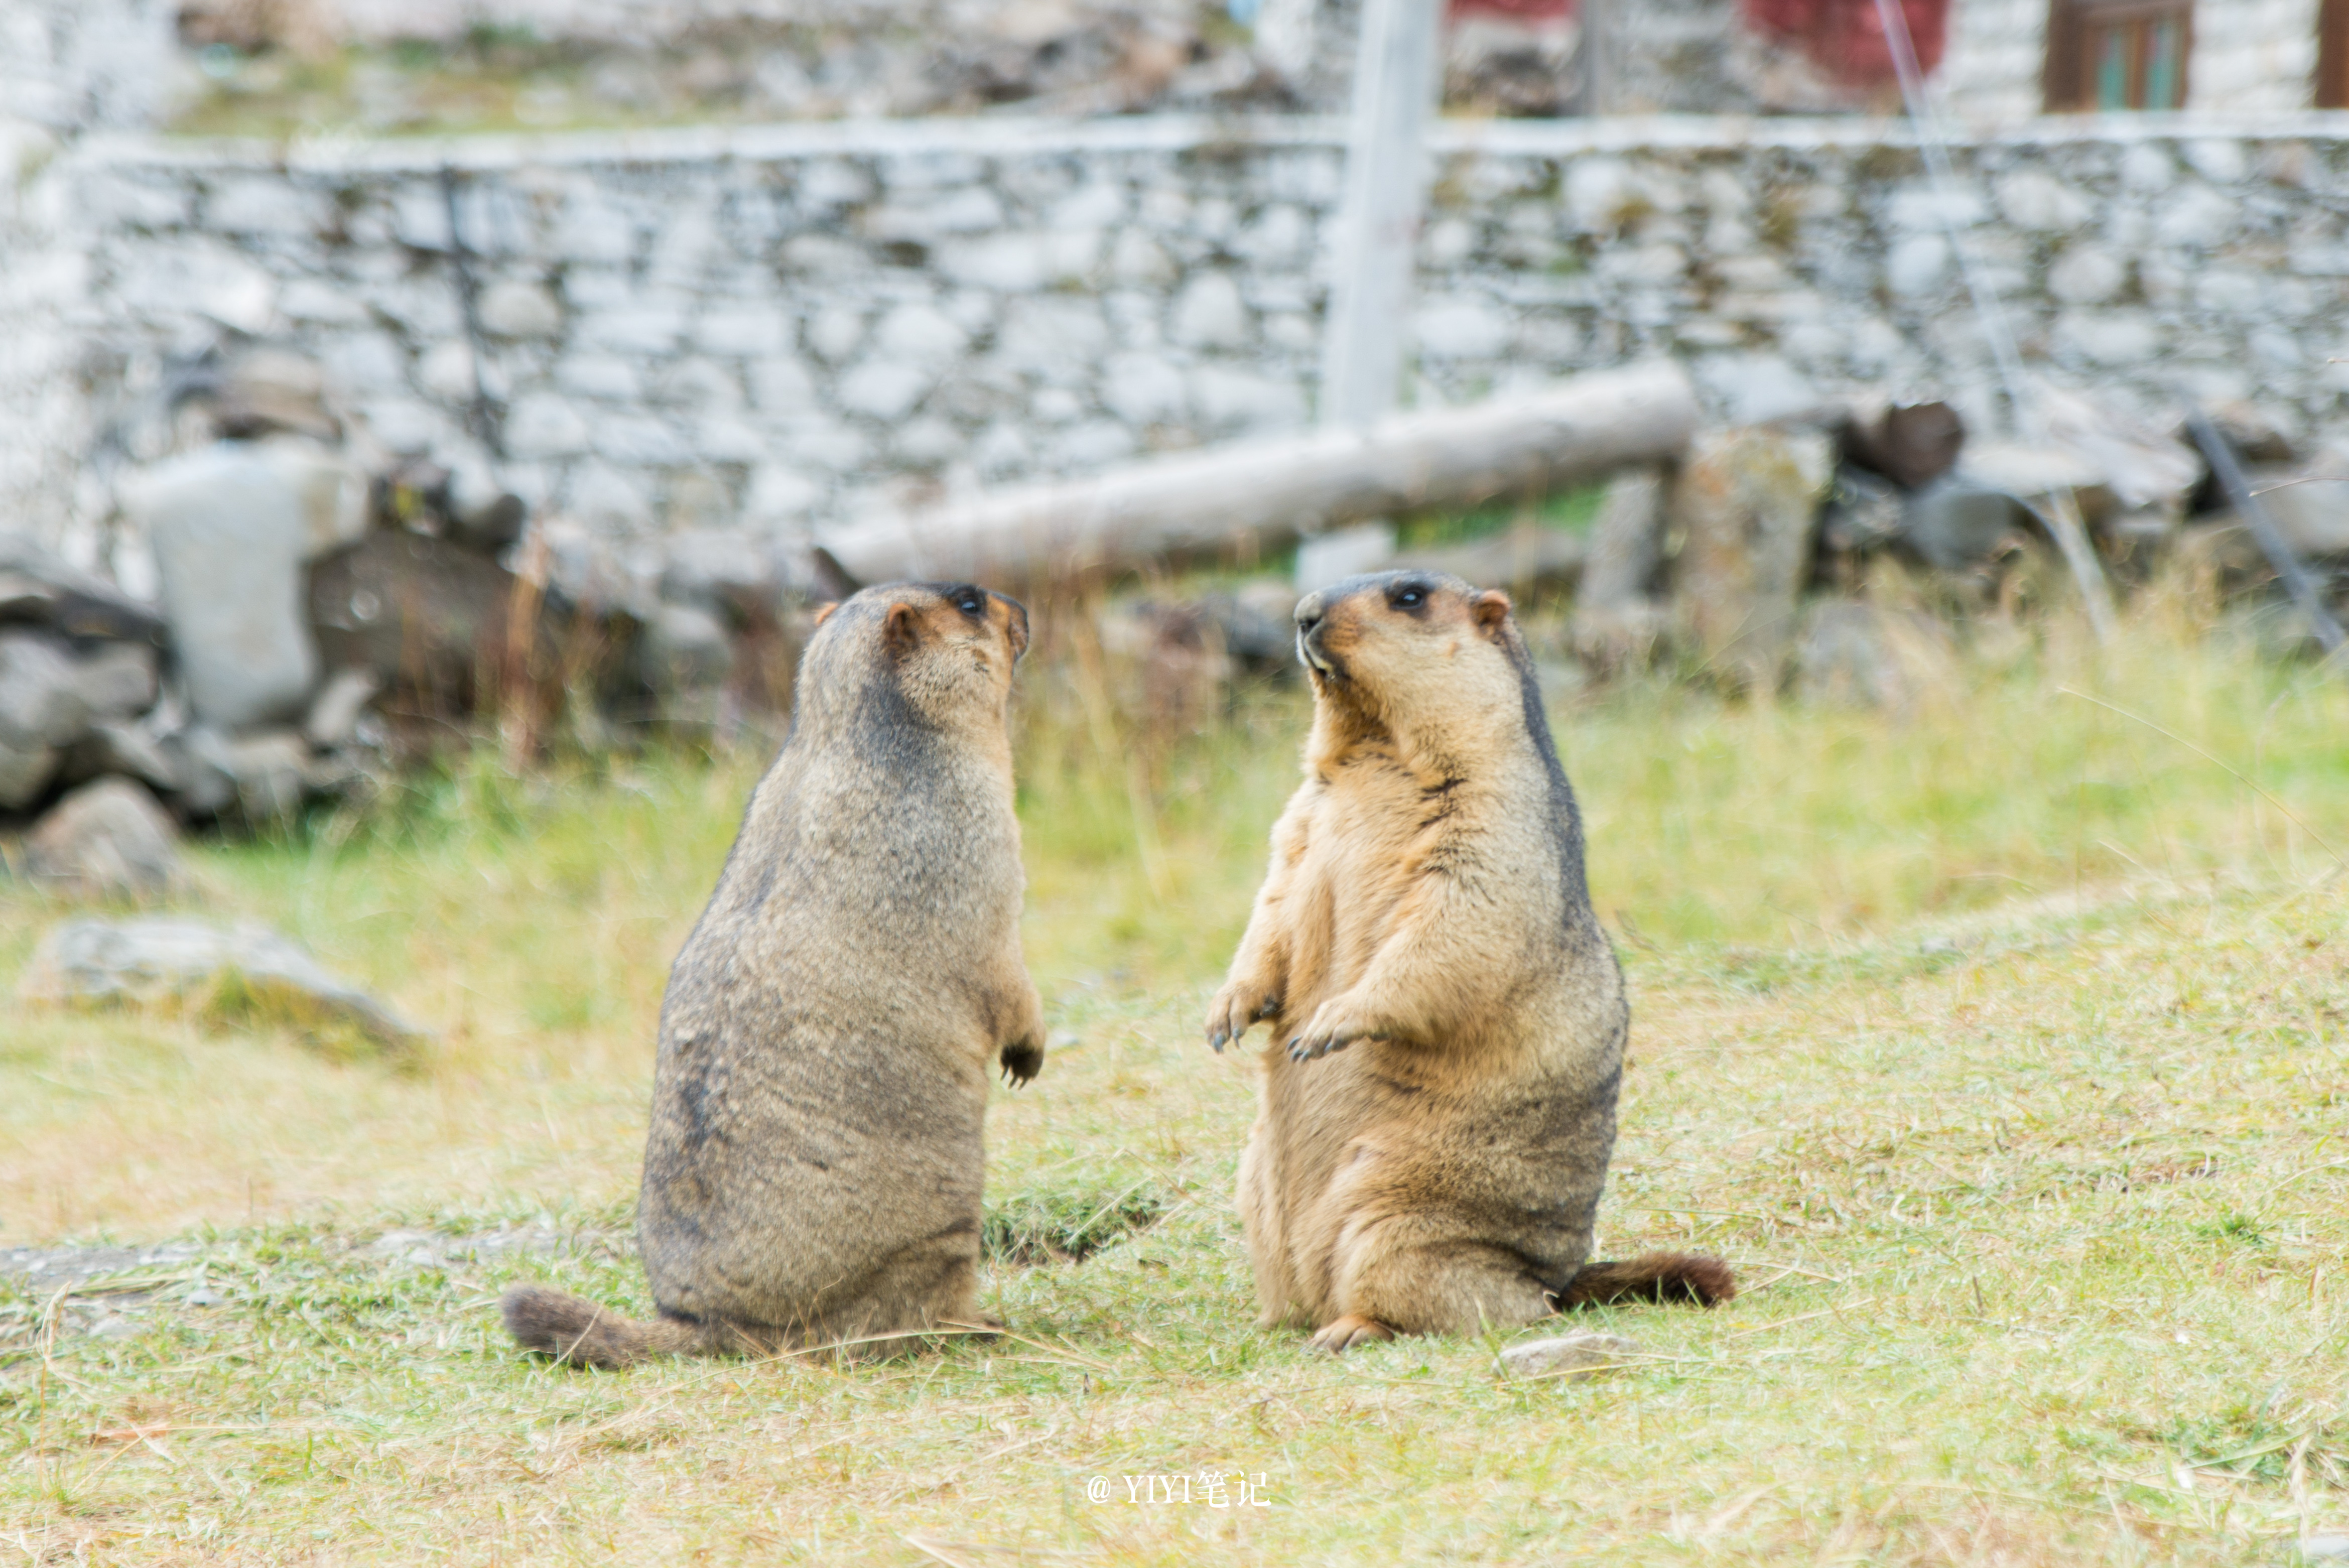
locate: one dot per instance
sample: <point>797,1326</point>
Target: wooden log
<point>1260,494</point>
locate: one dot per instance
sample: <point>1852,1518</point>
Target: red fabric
<point>1846,38</point>
<point>1532,11</point>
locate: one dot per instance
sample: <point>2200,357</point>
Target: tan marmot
<point>812,1175</point>
<point>1426,907</point>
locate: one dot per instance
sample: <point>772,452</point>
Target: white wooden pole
<point>1376,239</point>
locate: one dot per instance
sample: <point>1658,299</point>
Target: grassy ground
<point>2000,1043</point>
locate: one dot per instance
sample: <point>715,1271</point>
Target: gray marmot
<point>812,1174</point>
<point>1426,907</point>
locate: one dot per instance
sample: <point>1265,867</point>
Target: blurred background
<point>428,429</point>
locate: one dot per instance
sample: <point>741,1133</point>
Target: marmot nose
<point>1309,612</point>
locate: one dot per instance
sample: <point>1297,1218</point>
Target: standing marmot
<point>1426,905</point>
<point>813,1171</point>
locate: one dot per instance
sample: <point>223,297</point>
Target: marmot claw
<point>1022,1062</point>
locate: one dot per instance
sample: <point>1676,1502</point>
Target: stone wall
<point>782,326</point>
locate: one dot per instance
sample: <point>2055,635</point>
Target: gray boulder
<point>684,650</point>
<point>229,535</point>
<point>38,589</point>
<point>157,958</point>
<point>1956,523</point>
<point>1747,500</point>
<point>107,840</point>
<point>1569,1357</point>
<point>114,746</point>
<point>1863,513</point>
<point>42,710</point>
<point>115,680</point>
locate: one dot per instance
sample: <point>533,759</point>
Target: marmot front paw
<point>1331,1028</point>
<point>1022,1060</point>
<point>1238,1007</point>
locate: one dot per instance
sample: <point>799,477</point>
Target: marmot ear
<point>823,611</point>
<point>1016,625</point>
<point>901,628</point>
<point>1490,611</point>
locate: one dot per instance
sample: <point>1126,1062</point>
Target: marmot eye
<point>971,603</point>
<point>1406,597</point>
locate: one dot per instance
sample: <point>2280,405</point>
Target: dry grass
<point>2001,1045</point>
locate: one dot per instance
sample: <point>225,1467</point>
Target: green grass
<point>2000,1045</point>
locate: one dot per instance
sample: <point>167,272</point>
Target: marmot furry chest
<point>1438,1108</point>
<point>813,1161</point>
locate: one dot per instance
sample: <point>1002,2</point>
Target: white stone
<point>971,211</point>
<point>1446,245</point>
<point>884,389</point>
<point>927,442</point>
<point>2217,159</point>
<point>516,309</point>
<point>1757,388</point>
<point>447,372</point>
<point>1916,265</point>
<point>364,365</point>
<point>541,425</point>
<point>2036,200</point>
<point>322,304</point>
<point>2196,216</point>
<point>2232,291</point>
<point>835,332</point>
<point>1602,194</point>
<point>2086,275</point>
<point>1055,337</point>
<point>747,332</point>
<point>778,495</point>
<point>1014,263</point>
<point>1243,402</point>
<point>1098,205</point>
<point>1055,406</point>
<point>1460,328</point>
<point>1929,210</point>
<point>1279,235</point>
<point>640,329</point>
<point>1137,260</point>
<point>918,335</point>
<point>594,230</point>
<point>638,440</point>
<point>1002,451</point>
<point>404,426</point>
<point>606,500</point>
<point>1208,314</point>
<point>2110,337</point>
<point>259,205</point>
<point>604,377</point>
<point>1569,1357</point>
<point>2147,168</point>
<point>1143,389</point>
<point>1091,445</point>
<point>781,386</point>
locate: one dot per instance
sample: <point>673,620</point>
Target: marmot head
<point>945,649</point>
<point>1402,647</point>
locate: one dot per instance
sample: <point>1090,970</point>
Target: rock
<point>1956,523</point>
<point>1861,655</point>
<point>735,574</point>
<point>335,716</point>
<point>1259,622</point>
<point>1863,513</point>
<point>2262,433</point>
<point>2324,1549</point>
<point>268,771</point>
<point>2313,514</point>
<point>2142,465</point>
<point>269,389</point>
<point>2029,470</point>
<point>1746,500</point>
<point>115,680</point>
<point>1327,558</point>
<point>229,535</point>
<point>1525,554</point>
<point>42,696</point>
<point>520,310</point>
<point>1569,1357</point>
<point>1626,540</point>
<point>26,770</point>
<point>37,589</point>
<point>685,651</point>
<point>1624,635</point>
<point>1910,444</point>
<point>156,958</point>
<point>332,488</point>
<point>106,840</point>
<point>111,746</point>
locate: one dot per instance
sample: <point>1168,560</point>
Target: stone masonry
<point>774,328</point>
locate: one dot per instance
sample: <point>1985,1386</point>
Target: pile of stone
<point>322,612</point>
